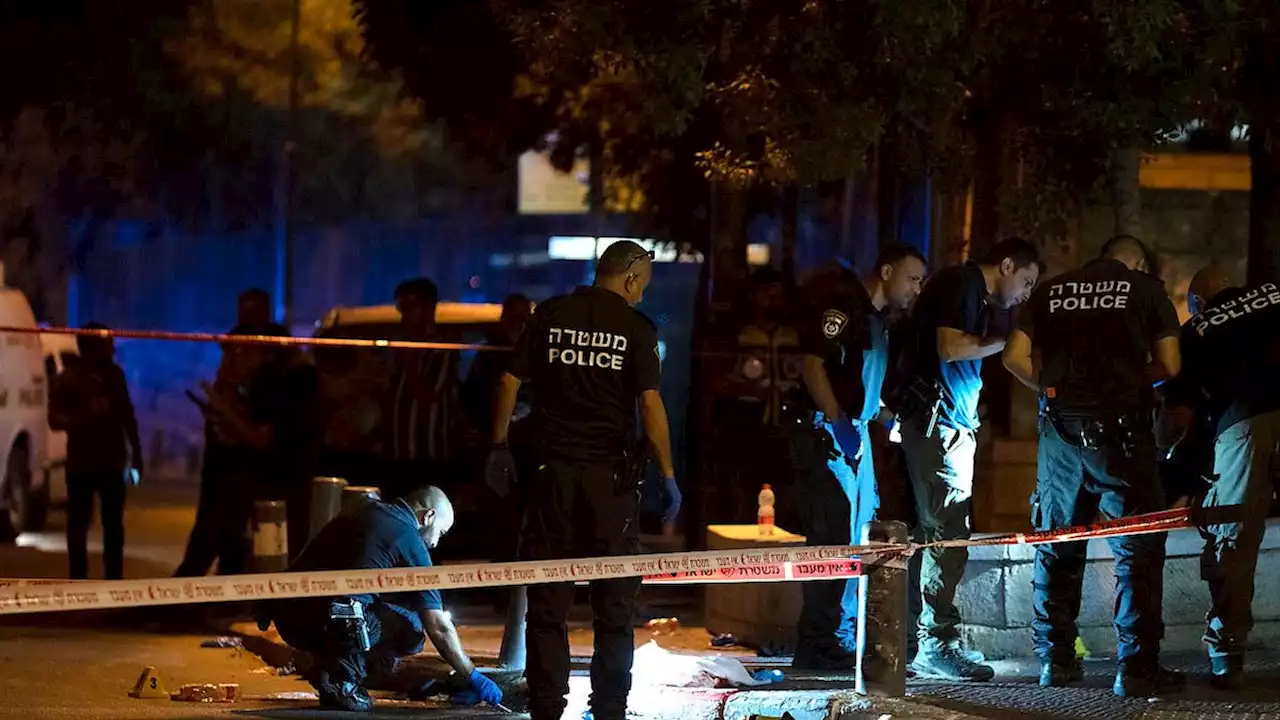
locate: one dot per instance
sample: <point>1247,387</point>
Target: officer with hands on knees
<point>1230,371</point>
<point>1092,343</point>
<point>356,641</point>
<point>845,341</point>
<point>590,358</point>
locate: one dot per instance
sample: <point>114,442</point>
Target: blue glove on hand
<point>848,438</point>
<point>487,690</point>
<point>671,498</point>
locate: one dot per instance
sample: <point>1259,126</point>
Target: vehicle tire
<point>17,494</point>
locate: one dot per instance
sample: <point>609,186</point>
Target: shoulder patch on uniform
<point>833,322</point>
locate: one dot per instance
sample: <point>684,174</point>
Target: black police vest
<point>1087,323</point>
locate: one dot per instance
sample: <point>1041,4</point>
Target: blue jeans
<point>837,499</point>
<point>1072,485</point>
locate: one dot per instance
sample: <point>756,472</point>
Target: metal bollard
<point>326,502</point>
<point>270,536</point>
<point>356,495</point>
<point>511,656</point>
<point>882,620</point>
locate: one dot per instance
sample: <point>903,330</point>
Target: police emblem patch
<point>833,322</point>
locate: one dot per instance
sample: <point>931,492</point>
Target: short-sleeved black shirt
<point>1231,354</point>
<point>588,356</point>
<point>378,535</point>
<point>852,338</point>
<point>956,298</point>
<point>1096,330</point>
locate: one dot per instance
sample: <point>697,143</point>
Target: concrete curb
<point>826,705</point>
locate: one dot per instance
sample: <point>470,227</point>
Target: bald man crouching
<point>358,638</point>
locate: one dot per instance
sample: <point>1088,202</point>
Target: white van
<point>58,349</point>
<point>24,494</point>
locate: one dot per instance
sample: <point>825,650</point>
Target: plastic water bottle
<point>764,513</point>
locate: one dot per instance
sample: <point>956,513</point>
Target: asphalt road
<point>83,665</point>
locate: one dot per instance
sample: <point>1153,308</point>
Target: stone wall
<point>995,597</point>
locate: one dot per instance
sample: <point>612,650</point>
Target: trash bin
<point>270,536</point>
<point>326,502</point>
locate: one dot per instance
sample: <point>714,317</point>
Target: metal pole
<point>270,536</point>
<point>355,496</point>
<point>512,654</point>
<point>286,177</point>
<point>326,502</point>
<point>882,622</point>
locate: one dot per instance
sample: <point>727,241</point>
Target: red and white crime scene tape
<point>780,564</point>
<point>277,340</point>
<point>749,565</point>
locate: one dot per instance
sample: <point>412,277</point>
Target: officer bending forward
<point>1094,330</point>
<point>356,641</point>
<point>1231,352</point>
<point>589,357</point>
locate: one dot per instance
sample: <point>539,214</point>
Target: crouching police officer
<point>1094,330</point>
<point>589,357</point>
<point>1231,359</point>
<point>846,347</point>
<point>356,641</point>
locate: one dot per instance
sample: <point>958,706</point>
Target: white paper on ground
<point>655,666</point>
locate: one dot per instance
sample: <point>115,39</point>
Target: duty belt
<point>1095,430</point>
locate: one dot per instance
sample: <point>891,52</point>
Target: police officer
<point>589,356</point>
<point>357,640</point>
<point>1231,359</point>
<point>1104,335</point>
<point>953,328</point>
<point>846,348</point>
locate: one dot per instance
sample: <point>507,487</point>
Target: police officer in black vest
<point>845,341</point>
<point>1101,337</point>
<point>590,358</point>
<point>1231,366</point>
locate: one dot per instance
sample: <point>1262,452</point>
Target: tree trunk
<point>1264,200</point>
<point>728,256</point>
<point>888,193</point>
<point>1126,196</point>
<point>788,216</point>
<point>988,164</point>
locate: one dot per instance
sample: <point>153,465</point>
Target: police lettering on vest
<point>1255,300</point>
<point>584,348</point>
<point>1099,295</point>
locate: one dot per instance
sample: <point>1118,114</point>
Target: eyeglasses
<point>632,263</point>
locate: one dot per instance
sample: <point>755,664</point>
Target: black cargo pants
<point>1119,477</point>
<point>576,509</point>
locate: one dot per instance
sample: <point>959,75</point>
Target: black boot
<point>1146,679</point>
<point>1228,672</point>
<point>1060,672</point>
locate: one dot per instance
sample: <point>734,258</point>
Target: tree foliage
<point>362,146</point>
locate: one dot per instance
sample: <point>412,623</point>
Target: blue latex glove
<point>486,689</point>
<point>671,500</point>
<point>848,438</point>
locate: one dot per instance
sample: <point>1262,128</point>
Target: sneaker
<point>1228,672</point>
<point>1146,680</point>
<point>1060,672</point>
<point>345,696</point>
<point>824,659</point>
<point>950,663</point>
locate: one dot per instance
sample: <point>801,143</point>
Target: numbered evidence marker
<point>149,685</point>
